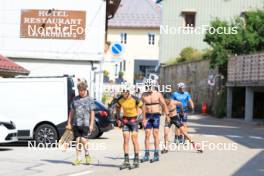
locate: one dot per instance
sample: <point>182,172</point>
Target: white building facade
<point>51,38</point>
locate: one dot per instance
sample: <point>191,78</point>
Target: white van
<point>37,105</point>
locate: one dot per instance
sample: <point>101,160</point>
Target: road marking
<point>210,135</point>
<point>234,136</point>
<point>255,137</point>
<point>81,173</point>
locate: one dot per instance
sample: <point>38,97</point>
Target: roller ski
<point>155,158</point>
<point>77,163</point>
<point>164,151</point>
<point>135,164</point>
<point>145,158</point>
<point>197,147</point>
<point>125,165</point>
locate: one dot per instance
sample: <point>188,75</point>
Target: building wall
<point>137,47</point>
<point>91,48</point>
<point>55,56</point>
<point>206,11</point>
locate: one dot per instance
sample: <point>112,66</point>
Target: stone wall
<point>195,75</point>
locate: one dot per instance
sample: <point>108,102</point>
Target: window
<point>189,19</point>
<point>151,38</point>
<point>123,36</point>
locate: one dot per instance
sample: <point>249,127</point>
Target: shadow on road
<point>5,149</point>
<point>16,144</point>
<point>106,165</point>
<point>57,161</point>
<point>100,138</point>
<point>114,158</point>
<point>252,167</point>
<point>240,133</point>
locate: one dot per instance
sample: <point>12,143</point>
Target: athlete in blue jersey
<point>187,103</point>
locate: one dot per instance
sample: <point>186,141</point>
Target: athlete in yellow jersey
<point>130,106</point>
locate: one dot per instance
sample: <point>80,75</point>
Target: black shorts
<point>81,131</point>
<point>175,120</point>
<point>130,124</point>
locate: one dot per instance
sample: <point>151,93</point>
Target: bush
<point>188,54</point>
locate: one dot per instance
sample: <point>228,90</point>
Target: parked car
<point>39,107</point>
<point>103,120</point>
<point>8,132</point>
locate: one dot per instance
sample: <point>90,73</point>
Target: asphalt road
<point>231,147</point>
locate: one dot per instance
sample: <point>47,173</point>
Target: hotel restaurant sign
<point>52,24</point>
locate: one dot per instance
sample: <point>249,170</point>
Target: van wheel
<point>46,134</point>
<point>95,132</point>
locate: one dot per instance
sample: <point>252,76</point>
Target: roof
<point>136,14</point>
<point>7,66</point>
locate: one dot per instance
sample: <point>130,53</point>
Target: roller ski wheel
<point>197,147</point>
<point>145,159</point>
<point>124,166</point>
<point>134,166</point>
<point>164,151</point>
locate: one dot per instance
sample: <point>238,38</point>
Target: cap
<point>181,85</point>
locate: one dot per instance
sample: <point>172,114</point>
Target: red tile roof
<point>8,66</point>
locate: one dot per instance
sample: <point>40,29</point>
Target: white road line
<point>210,135</point>
<point>81,173</point>
<point>255,137</point>
<point>234,136</point>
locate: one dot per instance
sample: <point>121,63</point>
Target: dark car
<point>103,120</point>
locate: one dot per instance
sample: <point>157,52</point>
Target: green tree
<point>249,38</point>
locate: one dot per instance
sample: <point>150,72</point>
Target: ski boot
<point>88,159</point>
<point>176,140</point>
<point>181,139</point>
<point>135,163</point>
<point>155,158</point>
<point>145,158</point>
<point>125,164</point>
